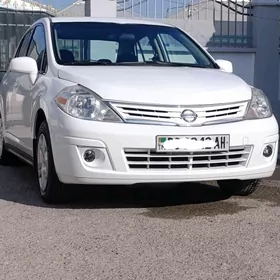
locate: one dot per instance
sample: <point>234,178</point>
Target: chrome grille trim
<point>171,115</point>
<point>146,159</point>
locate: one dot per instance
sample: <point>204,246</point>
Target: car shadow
<point>18,185</point>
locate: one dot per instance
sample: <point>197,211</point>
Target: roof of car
<point>108,20</point>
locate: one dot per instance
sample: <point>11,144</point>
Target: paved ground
<point>142,233</point>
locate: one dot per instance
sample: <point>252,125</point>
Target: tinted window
<point>37,48</point>
<point>74,46</point>
<point>22,50</point>
<point>90,43</point>
<point>98,49</point>
<point>144,50</point>
<point>176,50</point>
<point>102,49</point>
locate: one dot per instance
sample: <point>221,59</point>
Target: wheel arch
<point>39,118</point>
<point>40,113</point>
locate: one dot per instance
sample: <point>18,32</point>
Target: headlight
<point>259,107</point>
<point>82,103</point>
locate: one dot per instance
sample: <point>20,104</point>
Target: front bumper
<point>71,137</point>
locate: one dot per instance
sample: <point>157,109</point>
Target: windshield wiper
<point>87,62</point>
<point>163,63</point>
<point>144,63</point>
<point>180,64</point>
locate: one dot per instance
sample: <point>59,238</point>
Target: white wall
<point>243,66</point>
<point>243,61</point>
<point>100,8</point>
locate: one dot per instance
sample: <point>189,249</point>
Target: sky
<point>162,4</point>
<point>58,4</point>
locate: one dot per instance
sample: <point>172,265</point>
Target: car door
<point>26,92</point>
<point>8,88</point>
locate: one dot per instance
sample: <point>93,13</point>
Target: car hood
<point>159,85</point>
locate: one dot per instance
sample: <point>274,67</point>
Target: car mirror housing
<point>225,65</point>
<point>25,65</point>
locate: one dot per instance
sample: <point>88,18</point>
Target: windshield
<point>95,43</point>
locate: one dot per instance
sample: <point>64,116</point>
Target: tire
<point>52,191</point>
<point>239,187</point>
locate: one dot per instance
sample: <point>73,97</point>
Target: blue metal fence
<point>228,20</point>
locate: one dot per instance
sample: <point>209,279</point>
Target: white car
<point>120,102</point>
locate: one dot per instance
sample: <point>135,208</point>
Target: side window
<point>176,51</point>
<point>74,46</point>
<point>103,50</point>
<point>37,48</point>
<point>99,49</point>
<point>145,50</point>
<point>22,50</point>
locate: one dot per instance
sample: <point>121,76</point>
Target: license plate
<point>193,143</point>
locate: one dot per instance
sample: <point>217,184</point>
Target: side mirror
<point>25,65</point>
<point>225,65</point>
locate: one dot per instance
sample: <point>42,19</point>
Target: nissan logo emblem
<point>189,116</point>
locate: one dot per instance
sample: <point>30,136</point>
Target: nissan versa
<point>110,101</point>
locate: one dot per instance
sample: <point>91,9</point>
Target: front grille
<point>172,114</point>
<point>151,160</point>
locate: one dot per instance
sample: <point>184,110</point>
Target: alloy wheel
<point>42,163</point>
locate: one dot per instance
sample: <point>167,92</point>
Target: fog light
<point>267,151</point>
<point>89,155</point>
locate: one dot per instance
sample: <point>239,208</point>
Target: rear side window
<point>145,51</point>
<point>176,51</point>
<point>74,46</point>
<point>102,49</point>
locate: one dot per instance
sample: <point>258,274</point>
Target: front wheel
<point>239,187</point>
<point>51,189</point>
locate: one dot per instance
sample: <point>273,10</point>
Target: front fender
<point>45,101</point>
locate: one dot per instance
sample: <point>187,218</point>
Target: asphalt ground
<point>143,232</point>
